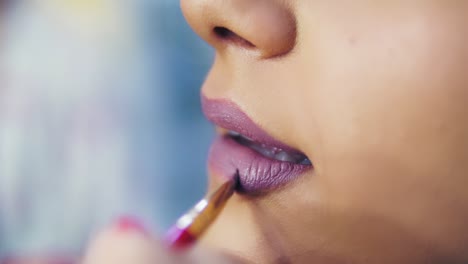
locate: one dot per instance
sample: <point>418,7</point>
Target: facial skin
<point>375,94</point>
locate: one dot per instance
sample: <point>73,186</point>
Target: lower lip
<point>257,174</point>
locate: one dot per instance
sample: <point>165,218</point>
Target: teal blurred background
<point>99,117</point>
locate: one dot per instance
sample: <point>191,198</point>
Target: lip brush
<point>191,226</point>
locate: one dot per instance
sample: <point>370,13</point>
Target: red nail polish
<point>128,224</point>
<point>177,238</point>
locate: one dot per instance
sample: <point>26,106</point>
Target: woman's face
<point>375,94</point>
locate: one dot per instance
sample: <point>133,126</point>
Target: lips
<point>262,162</point>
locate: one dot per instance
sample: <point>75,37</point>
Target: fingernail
<point>128,224</point>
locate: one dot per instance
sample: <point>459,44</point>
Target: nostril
<point>222,32</point>
<point>229,36</point>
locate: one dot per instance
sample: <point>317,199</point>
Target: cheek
<point>389,116</point>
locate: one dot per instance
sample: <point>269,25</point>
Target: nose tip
<point>267,27</point>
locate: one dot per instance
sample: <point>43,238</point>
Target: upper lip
<point>226,114</point>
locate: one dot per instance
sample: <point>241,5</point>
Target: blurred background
<point>99,118</point>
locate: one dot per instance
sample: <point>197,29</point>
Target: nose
<point>266,27</point>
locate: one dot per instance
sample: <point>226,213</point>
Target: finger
<point>202,256</point>
<point>125,242</point>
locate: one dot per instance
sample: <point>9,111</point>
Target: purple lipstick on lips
<point>263,162</point>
